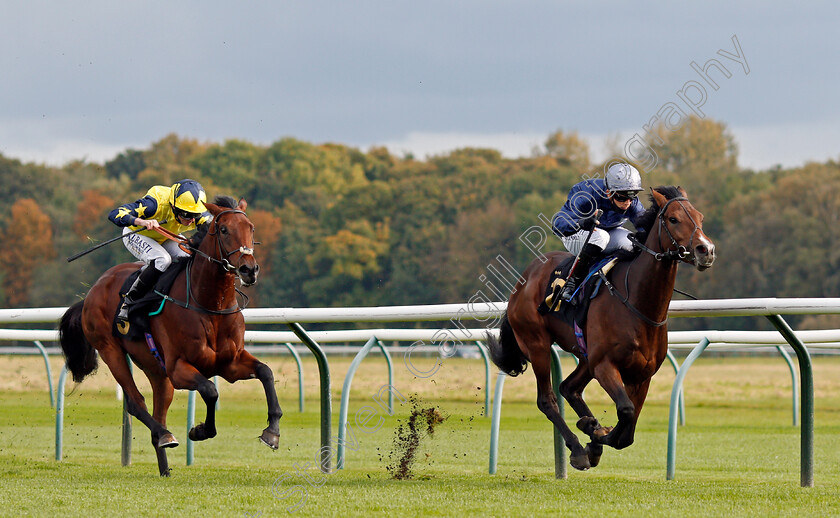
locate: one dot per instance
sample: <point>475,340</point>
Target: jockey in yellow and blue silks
<point>179,208</point>
<point>616,196</point>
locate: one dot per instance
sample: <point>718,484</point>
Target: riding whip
<point>555,299</point>
<point>100,245</point>
<point>577,258</point>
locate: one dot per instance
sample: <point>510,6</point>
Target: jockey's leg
<point>586,254</point>
<point>157,259</point>
<point>619,240</point>
<point>142,284</point>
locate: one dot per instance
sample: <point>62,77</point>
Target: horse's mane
<point>646,220</point>
<point>228,202</point>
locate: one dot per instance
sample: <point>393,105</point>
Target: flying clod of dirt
<point>421,422</point>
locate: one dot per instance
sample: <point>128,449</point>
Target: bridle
<point>679,252</point>
<point>225,264</point>
<point>224,254</point>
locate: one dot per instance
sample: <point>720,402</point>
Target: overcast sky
<point>86,80</point>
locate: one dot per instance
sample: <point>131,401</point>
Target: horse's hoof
<point>167,440</point>
<point>270,439</point>
<point>165,473</point>
<point>601,431</point>
<point>588,425</point>
<point>580,462</point>
<point>594,451</point>
<point>200,432</point>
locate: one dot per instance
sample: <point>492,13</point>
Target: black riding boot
<point>142,284</point>
<point>586,257</point>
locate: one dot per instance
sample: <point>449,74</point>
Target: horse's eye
<point>673,220</point>
<point>223,230</point>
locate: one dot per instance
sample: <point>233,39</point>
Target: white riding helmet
<point>623,177</point>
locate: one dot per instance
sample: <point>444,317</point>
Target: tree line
<point>338,226</point>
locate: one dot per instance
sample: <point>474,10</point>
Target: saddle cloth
<point>152,302</point>
<point>574,313</point>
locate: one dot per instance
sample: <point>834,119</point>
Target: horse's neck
<point>651,283</point>
<point>210,284</point>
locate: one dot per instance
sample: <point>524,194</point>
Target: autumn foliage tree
<point>372,228</point>
<point>90,211</point>
<point>28,243</point>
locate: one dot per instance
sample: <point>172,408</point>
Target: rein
<point>194,305</point>
<point>679,252</point>
<point>223,262</point>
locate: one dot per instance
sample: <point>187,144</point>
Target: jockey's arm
<point>134,214</point>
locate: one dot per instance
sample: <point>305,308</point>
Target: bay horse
<point>625,332</point>
<point>199,334</point>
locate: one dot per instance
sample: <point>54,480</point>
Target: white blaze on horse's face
<point>700,248</point>
<point>248,276</point>
<point>234,240</point>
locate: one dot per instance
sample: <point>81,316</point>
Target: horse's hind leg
<point>162,391</point>
<point>185,376</point>
<point>135,403</point>
<point>249,367</point>
<point>547,403</point>
<point>572,390</point>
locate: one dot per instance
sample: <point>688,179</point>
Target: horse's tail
<point>505,351</point>
<point>79,355</point>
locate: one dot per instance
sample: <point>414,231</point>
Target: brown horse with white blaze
<point>197,339</point>
<point>625,331</point>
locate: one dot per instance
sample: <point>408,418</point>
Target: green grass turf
<point>738,454</point>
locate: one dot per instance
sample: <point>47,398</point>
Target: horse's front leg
<point>572,390</point>
<point>185,376</point>
<point>622,435</point>
<point>248,367</point>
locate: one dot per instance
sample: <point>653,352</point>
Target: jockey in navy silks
<point>617,197</point>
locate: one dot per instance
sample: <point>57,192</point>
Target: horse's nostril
<point>702,250</point>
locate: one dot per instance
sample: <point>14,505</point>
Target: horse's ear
<point>682,192</point>
<point>242,204</point>
<point>658,198</point>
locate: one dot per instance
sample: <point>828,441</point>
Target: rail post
<point>484,355</point>
<point>345,398</point>
<point>326,398</point>
<point>296,356</point>
<point>125,446</point>
<point>676,390</point>
<point>495,420</point>
<point>806,373</point>
<point>59,414</point>
<point>40,347</point>
<point>560,471</point>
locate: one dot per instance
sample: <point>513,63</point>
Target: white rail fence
<point>487,313</point>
